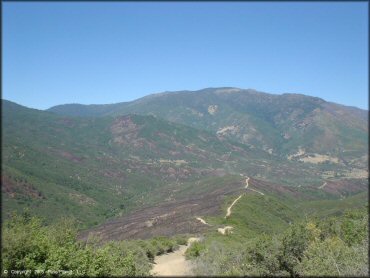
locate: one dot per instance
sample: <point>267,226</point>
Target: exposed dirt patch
<point>297,154</point>
<point>319,158</point>
<point>225,230</point>
<point>212,109</point>
<point>232,129</point>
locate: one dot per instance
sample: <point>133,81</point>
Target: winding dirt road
<point>173,264</point>
<point>228,213</point>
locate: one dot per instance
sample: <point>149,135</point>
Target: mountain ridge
<point>281,124</point>
<point>152,95</point>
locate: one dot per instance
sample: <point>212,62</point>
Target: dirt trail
<point>229,208</point>
<point>322,186</point>
<point>237,199</point>
<point>246,182</point>
<point>257,191</point>
<point>228,213</point>
<point>173,264</point>
<point>225,230</point>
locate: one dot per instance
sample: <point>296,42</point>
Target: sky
<point>98,53</point>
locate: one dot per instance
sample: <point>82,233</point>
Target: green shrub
<point>29,245</point>
<point>181,240</point>
<point>149,248</point>
<point>195,249</point>
<point>354,227</point>
<point>263,256</point>
<point>332,257</point>
<point>294,242</point>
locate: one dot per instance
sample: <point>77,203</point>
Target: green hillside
<point>280,124</point>
<point>97,167</point>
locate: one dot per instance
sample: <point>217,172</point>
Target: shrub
<point>181,240</point>
<point>332,257</point>
<point>29,245</point>
<point>263,256</point>
<point>294,242</point>
<point>195,249</point>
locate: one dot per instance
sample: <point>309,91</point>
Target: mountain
<point>94,168</point>
<point>293,126</point>
<point>102,161</point>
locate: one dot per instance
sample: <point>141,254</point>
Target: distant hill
<point>295,126</point>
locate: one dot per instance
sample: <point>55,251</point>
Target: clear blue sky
<point>56,53</point>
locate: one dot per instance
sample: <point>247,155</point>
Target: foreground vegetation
<point>30,245</point>
<point>336,246</point>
